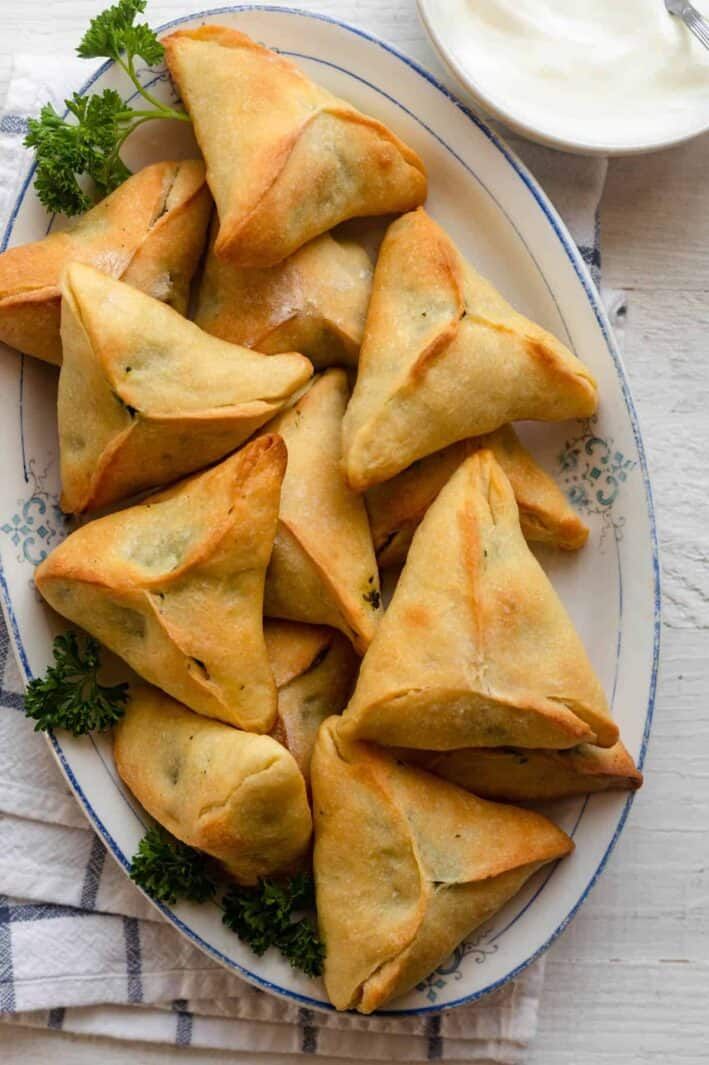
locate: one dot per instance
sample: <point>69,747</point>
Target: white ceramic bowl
<point>447,46</point>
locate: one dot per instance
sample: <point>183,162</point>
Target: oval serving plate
<point>502,220</point>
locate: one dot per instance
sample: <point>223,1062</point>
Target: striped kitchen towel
<point>80,948</point>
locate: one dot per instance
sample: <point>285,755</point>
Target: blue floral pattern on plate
<point>478,945</point>
<point>593,472</point>
<point>38,524</point>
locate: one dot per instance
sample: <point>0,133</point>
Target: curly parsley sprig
<point>168,870</point>
<point>69,694</point>
<point>88,141</point>
<point>263,916</point>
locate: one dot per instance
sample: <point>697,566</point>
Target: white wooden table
<point>629,981</point>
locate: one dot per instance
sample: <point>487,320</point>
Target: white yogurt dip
<point>596,73</point>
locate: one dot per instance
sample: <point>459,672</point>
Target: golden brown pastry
<point>323,570</point>
<point>175,585</point>
<point>146,397</point>
<point>234,795</point>
<point>396,507</point>
<point>445,357</point>
<point>149,233</point>
<point>406,866</point>
<point>314,668</point>
<point>286,160</point>
<point>476,649</point>
<point>314,302</point>
<point>521,775</point>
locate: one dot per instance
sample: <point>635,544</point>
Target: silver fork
<point>692,19</point>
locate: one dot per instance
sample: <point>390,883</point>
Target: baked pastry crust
<point>397,507</point>
<point>475,648</point>
<point>406,866</point>
<point>175,585</point>
<point>524,775</point>
<point>314,302</point>
<point>314,668</point>
<point>149,233</point>
<point>286,160</point>
<point>235,795</point>
<point>323,569</point>
<point>445,357</point>
<point>146,397</point>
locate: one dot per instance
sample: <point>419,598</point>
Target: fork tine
<point>699,27</point>
<point>700,33</point>
<point>703,35</point>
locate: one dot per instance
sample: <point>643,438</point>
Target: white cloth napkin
<point>80,949</point>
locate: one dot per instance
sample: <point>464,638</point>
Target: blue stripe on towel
<point>4,649</point>
<point>23,912</point>
<point>92,876</point>
<point>434,1046</point>
<point>55,1018</point>
<point>7,987</point>
<point>309,1032</point>
<point>183,1029</point>
<point>14,124</point>
<point>134,961</point>
<point>13,700</point>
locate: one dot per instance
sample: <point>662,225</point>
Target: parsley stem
<point>87,141</point>
<point>164,112</point>
<point>141,119</point>
<point>169,112</point>
<point>129,129</point>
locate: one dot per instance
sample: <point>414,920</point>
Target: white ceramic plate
<point>670,128</point>
<point>503,221</point>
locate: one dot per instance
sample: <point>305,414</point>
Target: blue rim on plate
<point>593,298</point>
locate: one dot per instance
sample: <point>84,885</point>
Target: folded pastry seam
<point>445,357</point>
<point>406,866</point>
<point>146,397</point>
<point>475,648</point>
<point>150,233</point>
<point>323,569</point>
<point>174,585</point>
<point>174,761</point>
<point>314,160</point>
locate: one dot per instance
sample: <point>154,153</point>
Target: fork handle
<point>696,23</point>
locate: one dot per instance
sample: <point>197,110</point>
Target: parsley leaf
<point>60,157</point>
<point>112,32</point>
<point>168,870</point>
<point>69,695</point>
<point>87,143</point>
<point>263,918</point>
<point>87,146</point>
<point>302,946</point>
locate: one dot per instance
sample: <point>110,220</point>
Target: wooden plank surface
<point>656,223</point>
<point>628,984</point>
